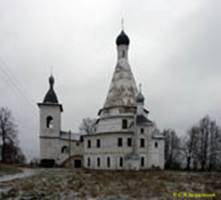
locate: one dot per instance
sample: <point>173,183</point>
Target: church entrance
<point>47,163</point>
<point>77,163</point>
<point>74,161</point>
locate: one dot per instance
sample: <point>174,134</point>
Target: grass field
<point>8,169</point>
<point>107,185</point>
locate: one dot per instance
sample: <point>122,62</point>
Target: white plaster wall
<point>145,152</point>
<point>51,149</point>
<point>109,143</point>
<point>48,148</point>
<point>161,153</point>
<point>154,156</point>
<point>76,149</point>
<point>114,161</point>
<point>109,148</point>
<point>55,112</point>
<point>113,124</point>
<point>49,141</point>
<point>157,154</point>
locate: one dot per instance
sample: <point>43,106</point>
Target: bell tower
<point>50,124</point>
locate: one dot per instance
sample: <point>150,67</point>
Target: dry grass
<point>85,184</point>
<point>8,169</point>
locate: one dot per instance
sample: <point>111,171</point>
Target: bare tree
<point>214,147</point>
<point>87,126</point>
<point>190,146</point>
<point>204,141</point>
<point>8,132</point>
<point>203,145</point>
<point>172,149</point>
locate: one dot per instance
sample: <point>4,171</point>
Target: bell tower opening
<point>49,122</point>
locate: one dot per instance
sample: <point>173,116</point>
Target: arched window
<point>142,161</point>
<point>49,122</point>
<point>88,161</point>
<point>98,162</point>
<point>142,142</point>
<point>124,124</point>
<point>64,149</point>
<point>123,54</point>
<point>98,143</point>
<point>121,162</point>
<point>129,142</point>
<point>120,142</point>
<point>88,144</point>
<point>108,162</point>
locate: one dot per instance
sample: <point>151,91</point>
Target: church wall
<point>108,148</point>
<point>114,161</point>
<point>75,146</point>
<point>48,148</point>
<point>49,140</point>
<point>113,123</point>
<point>54,112</point>
<point>108,143</point>
<point>121,104</point>
<point>157,154</point>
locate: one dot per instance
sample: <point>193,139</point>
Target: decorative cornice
<point>51,104</point>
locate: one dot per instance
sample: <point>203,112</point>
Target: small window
<point>49,122</point>
<point>88,144</point>
<point>120,142</point>
<point>121,162</point>
<point>98,143</point>
<point>141,130</point>
<point>142,142</point>
<point>124,124</point>
<point>129,142</point>
<point>142,161</point>
<point>64,149</point>
<point>123,54</point>
<point>88,162</point>
<point>98,162</point>
<point>156,144</point>
<point>108,162</point>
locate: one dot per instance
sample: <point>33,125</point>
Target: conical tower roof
<point>123,89</point>
<point>50,98</point>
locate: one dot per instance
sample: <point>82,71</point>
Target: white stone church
<point>123,137</point>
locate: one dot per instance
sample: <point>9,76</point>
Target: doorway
<point>77,163</point>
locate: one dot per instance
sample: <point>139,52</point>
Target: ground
<point>83,184</point>
<point>8,169</point>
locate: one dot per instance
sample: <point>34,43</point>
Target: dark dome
<point>122,39</point>
<point>51,80</point>
<point>51,96</point>
<point>140,98</point>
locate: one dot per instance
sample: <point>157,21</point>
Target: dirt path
<point>26,173</point>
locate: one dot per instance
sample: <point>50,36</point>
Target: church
<point>123,138</point>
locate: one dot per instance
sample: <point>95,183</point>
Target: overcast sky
<point>174,52</point>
